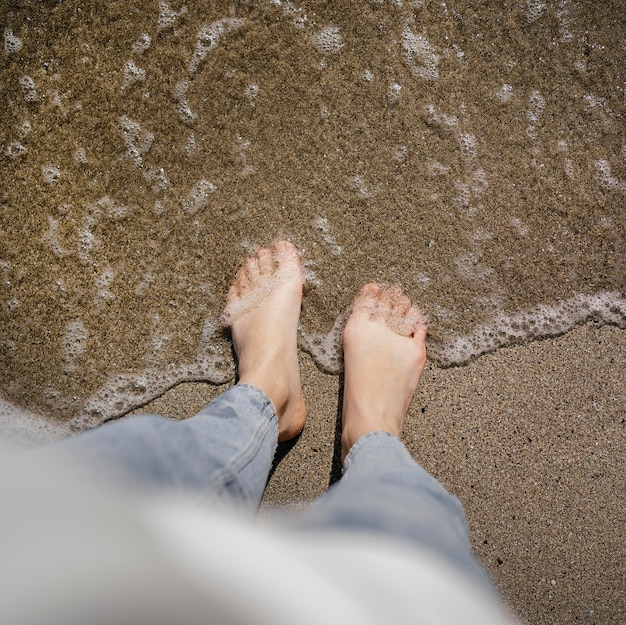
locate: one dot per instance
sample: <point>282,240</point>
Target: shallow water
<point>473,152</point>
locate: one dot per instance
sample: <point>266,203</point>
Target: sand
<point>530,438</point>
<point>474,156</point>
<point>471,151</point>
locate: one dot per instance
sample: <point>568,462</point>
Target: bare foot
<point>384,356</point>
<point>262,311</point>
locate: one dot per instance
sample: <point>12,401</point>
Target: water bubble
<point>29,91</point>
<point>14,150</point>
<point>132,74</point>
<point>419,55</point>
<point>51,174</point>
<point>198,197</point>
<point>138,141</point>
<point>393,92</point>
<point>12,43</point>
<point>182,105</point>
<point>208,37</point>
<point>328,40</point>
<point>142,44</point>
<point>534,10</point>
<point>504,93</point>
<point>168,17</point>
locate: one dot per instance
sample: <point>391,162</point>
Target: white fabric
<point>74,553</point>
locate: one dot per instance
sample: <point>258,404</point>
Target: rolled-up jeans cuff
<point>378,438</point>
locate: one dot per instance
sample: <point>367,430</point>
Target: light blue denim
<point>223,456</point>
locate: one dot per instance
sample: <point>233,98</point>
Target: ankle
<point>276,391</point>
<point>358,425</point>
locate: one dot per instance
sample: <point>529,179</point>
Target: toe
<point>401,305</point>
<point>369,294</point>
<point>420,325</point>
<point>367,300</point>
<point>285,249</point>
<point>242,281</point>
<point>252,269</point>
<point>266,264</point>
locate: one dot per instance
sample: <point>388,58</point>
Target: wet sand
<point>476,156</point>
<point>530,438</point>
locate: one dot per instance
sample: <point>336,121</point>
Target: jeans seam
<point>229,474</point>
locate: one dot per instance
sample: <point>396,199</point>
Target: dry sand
<point>532,440</point>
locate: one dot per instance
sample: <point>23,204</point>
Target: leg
<point>383,490</point>
<point>226,450</point>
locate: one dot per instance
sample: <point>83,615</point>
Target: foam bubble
<point>534,9</point>
<point>12,44</point>
<point>328,40</point>
<point>29,90</point>
<point>399,153</point>
<point>209,36</point>
<point>26,429</point>
<point>124,392</point>
<point>146,280</point>
<point>51,238</point>
<point>367,76</point>
<point>441,119</point>
<point>102,283</point>
<point>539,322</point>
<point>321,224</point>
<point>237,307</point>
<point>73,343</point>
<point>132,74</point>
<point>190,145</point>
<point>138,141</point>
<point>504,93</point>
<point>536,106</point>
<point>198,198</point>
<point>183,109</point>
<point>109,207</point>
<point>51,174</point>
<point>519,225</point>
<point>605,175</point>
<point>24,129</point>
<point>419,55</point>
<point>87,241</point>
<point>326,349</point>
<point>393,92</point>
<point>142,44</point>
<point>359,185</point>
<point>15,150</point>
<point>80,156</point>
<point>168,17</point>
<point>294,14</point>
<point>565,21</point>
<point>467,143</point>
<point>251,92</point>
<point>156,175</point>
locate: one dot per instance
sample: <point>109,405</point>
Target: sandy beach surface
<point>532,440</point>
<point>473,152</point>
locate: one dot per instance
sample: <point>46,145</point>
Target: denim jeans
<point>223,455</point>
